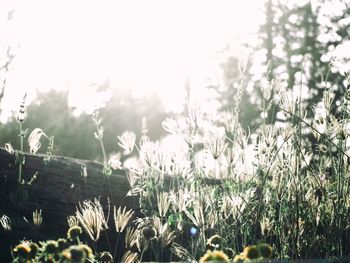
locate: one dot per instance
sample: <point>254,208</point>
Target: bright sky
<point>143,45</point>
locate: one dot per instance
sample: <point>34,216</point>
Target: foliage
<point>70,249</point>
<point>229,189</point>
<point>51,112</point>
<point>223,187</point>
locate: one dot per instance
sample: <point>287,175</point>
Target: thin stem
<point>20,154</point>
<point>103,153</point>
<point>143,251</point>
<point>116,246</point>
<point>322,135</point>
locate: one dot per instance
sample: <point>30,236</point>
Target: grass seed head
<point>5,222</point>
<point>121,218</point>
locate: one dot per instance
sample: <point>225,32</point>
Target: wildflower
<point>214,242</point>
<point>122,218</point>
<point>62,244</point>
<point>251,252</point>
<point>149,232</point>
<point>5,222</point>
<point>127,141</point>
<point>22,251</point>
<point>265,250</point>
<point>34,140</point>
<point>66,255</point>
<point>34,248</point>
<point>21,114</point>
<point>74,232</point>
<point>87,250</point>
<point>129,257</point>
<point>239,258</point>
<point>91,217</point>
<point>229,252</point>
<point>51,247</point>
<point>106,257</point>
<point>77,254</point>
<point>214,256</point>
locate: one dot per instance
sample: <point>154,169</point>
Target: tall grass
<point>286,184</point>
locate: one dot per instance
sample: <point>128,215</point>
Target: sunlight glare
<point>145,46</point>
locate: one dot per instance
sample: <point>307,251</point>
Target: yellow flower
<point>251,252</point>
<point>33,250</point>
<point>74,232</point>
<point>214,256</point>
<point>229,252</point>
<point>87,250</point>
<point>66,255</point>
<point>22,250</point>
<point>239,258</point>
<point>265,250</point>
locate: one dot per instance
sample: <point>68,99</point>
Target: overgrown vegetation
<point>286,185</point>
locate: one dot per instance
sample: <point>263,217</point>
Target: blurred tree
<point>7,54</point>
<point>298,40</point>
<point>74,135</point>
<point>300,55</point>
<point>123,112</point>
<point>232,92</point>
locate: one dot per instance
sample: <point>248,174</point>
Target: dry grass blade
<point>91,217</point>
<point>121,218</point>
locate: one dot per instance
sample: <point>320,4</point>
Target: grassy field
<point>279,191</point>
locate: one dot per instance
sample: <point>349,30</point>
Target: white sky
<point>143,45</point>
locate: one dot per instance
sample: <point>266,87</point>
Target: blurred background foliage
<point>74,135</point>
<point>296,43</point>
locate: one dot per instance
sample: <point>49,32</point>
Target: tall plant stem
<point>103,153</point>
<point>20,154</point>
